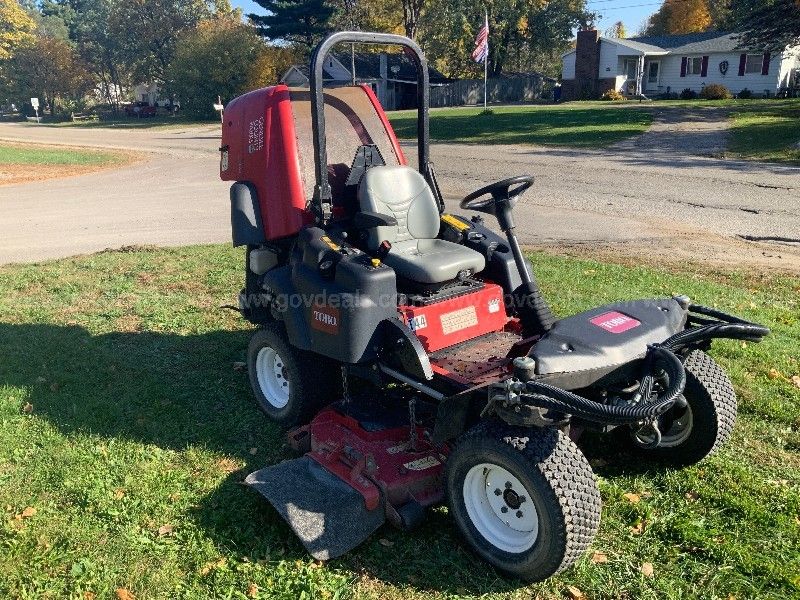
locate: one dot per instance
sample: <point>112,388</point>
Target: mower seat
<point>416,255</point>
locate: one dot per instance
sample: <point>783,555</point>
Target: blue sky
<point>630,12</point>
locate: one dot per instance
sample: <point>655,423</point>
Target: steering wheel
<point>506,192</point>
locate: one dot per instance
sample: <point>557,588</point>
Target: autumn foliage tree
<point>222,57</point>
<point>680,16</point>
<point>48,68</point>
<point>16,27</point>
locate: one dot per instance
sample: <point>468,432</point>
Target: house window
<point>694,66</point>
<point>754,63</point>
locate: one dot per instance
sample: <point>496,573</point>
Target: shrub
<point>716,91</point>
<point>612,94</point>
<point>688,94</point>
<point>745,94</point>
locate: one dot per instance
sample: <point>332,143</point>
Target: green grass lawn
<point>28,154</point>
<point>767,132</point>
<point>125,432</point>
<point>580,124</point>
<point>123,122</point>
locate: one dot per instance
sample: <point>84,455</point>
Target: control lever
<point>383,249</point>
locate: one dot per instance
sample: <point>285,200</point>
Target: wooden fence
<point>500,90</point>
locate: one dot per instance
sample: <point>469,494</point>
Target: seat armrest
<point>366,219</point>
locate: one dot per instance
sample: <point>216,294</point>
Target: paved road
<point>647,194</point>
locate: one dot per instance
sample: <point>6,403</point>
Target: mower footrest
<point>328,515</point>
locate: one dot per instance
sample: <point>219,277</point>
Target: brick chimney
<point>587,63</point>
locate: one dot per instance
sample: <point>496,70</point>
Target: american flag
<point>481,52</point>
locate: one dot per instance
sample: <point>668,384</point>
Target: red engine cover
<point>259,145</point>
<point>462,318</point>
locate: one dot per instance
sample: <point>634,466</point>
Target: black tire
<point>312,380</point>
<point>562,487</point>
<point>712,404</point>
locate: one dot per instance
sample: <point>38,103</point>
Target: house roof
<point>637,45</point>
<point>692,43</point>
<point>368,66</point>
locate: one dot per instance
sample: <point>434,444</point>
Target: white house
<point>660,65</point>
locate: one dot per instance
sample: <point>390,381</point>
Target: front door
<point>652,75</point>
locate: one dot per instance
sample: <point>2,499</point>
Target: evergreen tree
<point>298,21</point>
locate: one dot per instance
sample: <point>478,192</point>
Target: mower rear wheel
<point>690,434</point>
<point>290,385</point>
<point>525,500</point>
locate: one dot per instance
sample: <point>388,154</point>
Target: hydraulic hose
<point>556,399</point>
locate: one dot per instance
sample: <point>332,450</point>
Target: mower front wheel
<point>525,500</point>
<point>688,434</point>
<point>290,385</point>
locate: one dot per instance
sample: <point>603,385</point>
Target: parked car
<point>140,110</point>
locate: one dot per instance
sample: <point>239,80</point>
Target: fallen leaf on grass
<point>638,529</point>
<point>239,366</point>
<point>252,590</point>
<point>632,498</point>
<point>119,494</point>
<point>27,512</point>
<point>54,387</point>
<point>165,529</point>
<point>123,594</point>
<point>599,558</point>
<point>89,595</point>
<point>385,542</point>
<point>575,593</point>
<point>40,379</point>
<point>796,380</point>
<point>647,569</point>
<point>214,564</point>
<point>691,496</point>
<point>28,408</point>
<point>253,451</point>
<point>774,374</point>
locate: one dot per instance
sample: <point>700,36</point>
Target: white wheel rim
<point>500,508</point>
<point>272,377</point>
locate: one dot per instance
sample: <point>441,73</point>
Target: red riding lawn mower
<point>411,353</point>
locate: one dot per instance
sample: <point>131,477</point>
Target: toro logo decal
<point>615,322</point>
<point>255,135</point>
<point>325,318</point>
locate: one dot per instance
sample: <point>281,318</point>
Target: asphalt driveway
<point>651,194</point>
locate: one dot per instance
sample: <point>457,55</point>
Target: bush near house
<point>716,91</point>
<point>745,94</point>
<point>688,94</point>
<point>612,95</point>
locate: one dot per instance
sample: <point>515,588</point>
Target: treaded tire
<point>313,380</point>
<point>558,478</point>
<point>712,401</point>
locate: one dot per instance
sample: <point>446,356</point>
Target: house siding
<point>608,60</point>
<point>755,82</point>
<point>568,66</point>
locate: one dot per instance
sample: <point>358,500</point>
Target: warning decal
<point>459,319</point>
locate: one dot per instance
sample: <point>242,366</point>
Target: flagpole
<point>486,60</point>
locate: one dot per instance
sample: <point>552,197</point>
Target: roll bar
<point>322,191</point>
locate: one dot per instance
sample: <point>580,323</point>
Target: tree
<point>49,68</point>
<point>16,27</point>
<point>149,30</point>
<point>522,33</point>
<point>680,16</point>
<point>768,24</point>
<point>221,57</point>
<point>617,30</point>
<point>298,21</point>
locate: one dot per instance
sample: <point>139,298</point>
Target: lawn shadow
<point>180,391</point>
